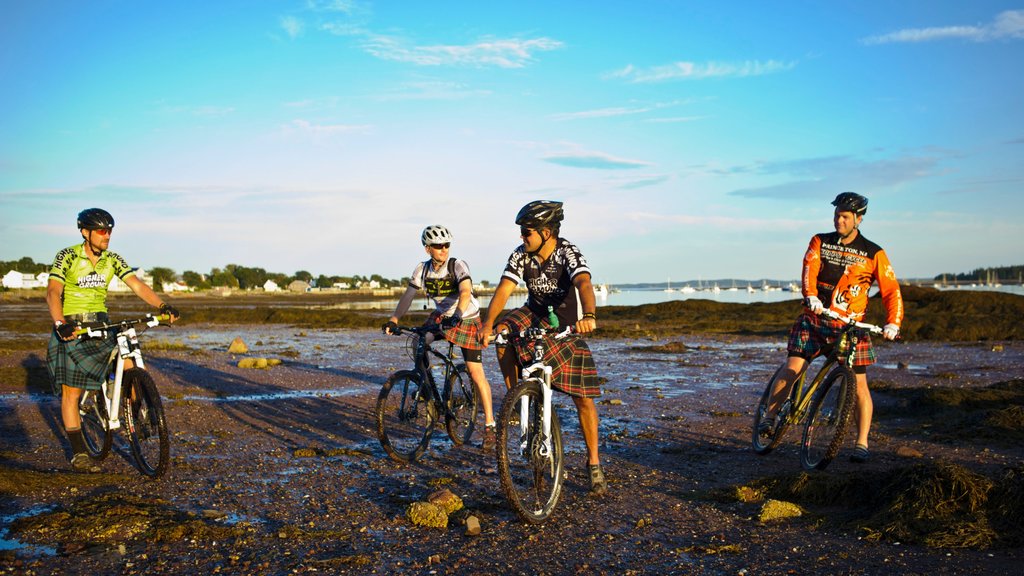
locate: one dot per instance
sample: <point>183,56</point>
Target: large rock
<point>238,346</point>
<point>427,514</point>
<point>446,500</point>
<point>778,510</point>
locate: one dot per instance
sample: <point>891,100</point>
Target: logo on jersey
<point>93,280</point>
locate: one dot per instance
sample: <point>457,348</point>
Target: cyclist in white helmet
<point>447,281</point>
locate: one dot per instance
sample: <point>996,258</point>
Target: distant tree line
<point>230,276</point>
<point>999,274</point>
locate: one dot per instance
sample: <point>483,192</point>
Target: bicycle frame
<point>127,347</point>
<point>424,349</point>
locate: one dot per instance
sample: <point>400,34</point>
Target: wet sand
<point>279,471</point>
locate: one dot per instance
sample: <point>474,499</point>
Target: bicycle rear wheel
<point>95,431</point>
<point>764,442</point>
<point>145,423</point>
<point>530,478</point>
<point>829,419</point>
<point>405,417</point>
<point>463,405</point>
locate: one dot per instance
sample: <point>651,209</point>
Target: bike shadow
<point>39,391</point>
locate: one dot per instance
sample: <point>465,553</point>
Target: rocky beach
<point>279,471</point>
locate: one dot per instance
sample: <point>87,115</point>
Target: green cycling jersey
<point>85,285</point>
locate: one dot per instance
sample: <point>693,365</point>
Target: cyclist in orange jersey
<point>838,270</point>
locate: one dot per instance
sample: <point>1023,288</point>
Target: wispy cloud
<point>432,90</point>
<point>675,119</point>
<point>812,177</point>
<point>1007,25</point>
<point>700,71</point>
<point>596,160</point>
<point>644,182</point>
<point>292,26</point>
<point>499,52</point>
<point>600,113</point>
<point>307,127</point>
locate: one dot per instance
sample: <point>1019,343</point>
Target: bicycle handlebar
<point>148,320</point>
<point>850,321</point>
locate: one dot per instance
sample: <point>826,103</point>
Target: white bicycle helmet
<point>436,234</point>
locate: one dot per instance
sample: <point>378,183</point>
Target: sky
<point>687,139</point>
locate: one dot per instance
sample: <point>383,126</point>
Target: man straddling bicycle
<point>447,282</point>
<point>76,295</point>
<point>558,281</point>
<point>838,269</point>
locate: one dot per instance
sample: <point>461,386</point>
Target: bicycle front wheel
<point>530,468</point>
<point>764,441</point>
<point>95,431</point>
<point>145,424</point>
<point>405,417</point>
<point>829,419</point>
<point>463,406</point>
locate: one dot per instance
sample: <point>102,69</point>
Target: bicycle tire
<point>463,406</point>
<point>763,444</point>
<point>828,420</point>
<point>405,421</point>
<point>531,482</point>
<point>145,423</point>
<point>95,424</point>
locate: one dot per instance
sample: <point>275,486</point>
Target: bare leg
<point>865,408</point>
<point>69,399</point>
<point>507,362</point>
<point>587,410</point>
<point>793,366</point>
<point>483,389</point>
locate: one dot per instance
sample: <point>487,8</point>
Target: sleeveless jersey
<point>550,283</point>
<point>85,285</point>
<point>442,286</point>
<point>841,275</point>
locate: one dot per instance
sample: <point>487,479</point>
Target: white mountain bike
<point>128,401</point>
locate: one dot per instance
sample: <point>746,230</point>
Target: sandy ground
<point>675,431</point>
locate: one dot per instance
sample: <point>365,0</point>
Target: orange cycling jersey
<point>840,275</point>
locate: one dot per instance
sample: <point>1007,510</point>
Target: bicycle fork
<point>539,446</point>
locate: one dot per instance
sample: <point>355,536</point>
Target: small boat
<point>668,286</point>
<point>687,289</point>
<point>601,291</point>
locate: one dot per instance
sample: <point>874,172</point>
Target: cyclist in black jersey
<point>560,294</point>
<point>447,282</point>
<point>76,295</point>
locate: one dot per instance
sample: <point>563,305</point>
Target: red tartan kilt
<point>573,371</point>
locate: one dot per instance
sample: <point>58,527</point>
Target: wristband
<point>590,315</point>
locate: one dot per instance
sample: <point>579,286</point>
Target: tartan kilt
<point>463,335</point>
<point>81,363</point>
<point>811,333</point>
<point>573,371</point>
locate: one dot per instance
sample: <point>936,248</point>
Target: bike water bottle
<point>552,317</point>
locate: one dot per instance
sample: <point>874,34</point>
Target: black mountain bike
<point>823,406</point>
<point>410,404</point>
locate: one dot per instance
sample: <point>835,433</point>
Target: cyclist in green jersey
<point>76,295</point>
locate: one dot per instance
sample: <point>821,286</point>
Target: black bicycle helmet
<point>540,213</point>
<point>851,202</point>
<point>95,219</point>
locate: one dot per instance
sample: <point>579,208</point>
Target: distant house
<point>341,285</point>
<point>374,284</point>
<point>15,279</point>
<point>299,286</point>
<point>177,286</point>
<point>271,286</point>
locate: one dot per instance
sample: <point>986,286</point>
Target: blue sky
<point>687,139</point>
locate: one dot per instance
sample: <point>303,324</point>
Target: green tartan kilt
<point>82,363</point>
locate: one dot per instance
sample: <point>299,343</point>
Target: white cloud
<point>307,127</point>
<point>700,71</point>
<point>1006,26</point>
<point>597,160</point>
<point>292,26</point>
<point>601,113</point>
<point>432,90</point>
<point>503,53</point>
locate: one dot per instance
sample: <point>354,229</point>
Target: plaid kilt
<point>573,371</point>
<point>81,363</point>
<point>463,335</point>
<point>811,333</point>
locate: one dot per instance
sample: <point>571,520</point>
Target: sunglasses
<point>440,246</point>
<point>524,231</point>
<point>103,231</point>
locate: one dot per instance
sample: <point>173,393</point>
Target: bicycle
<point>529,434</point>
<point>144,424</point>
<point>823,406</point>
<point>409,404</point>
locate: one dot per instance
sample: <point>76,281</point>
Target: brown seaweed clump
<point>941,505</point>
